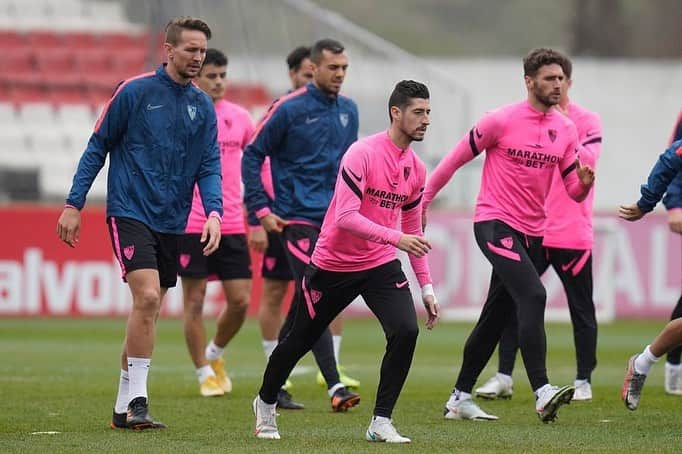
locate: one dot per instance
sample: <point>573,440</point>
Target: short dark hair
<point>540,57</point>
<point>567,66</point>
<point>331,45</point>
<point>404,92</point>
<point>215,57</point>
<point>296,57</point>
<point>177,25</point>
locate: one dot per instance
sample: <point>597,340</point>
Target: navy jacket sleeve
<point>667,168</point>
<point>109,129</point>
<point>209,178</point>
<point>267,141</point>
<point>673,196</point>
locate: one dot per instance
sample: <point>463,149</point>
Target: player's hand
<point>211,232</point>
<point>585,173</point>
<point>413,244</point>
<point>675,220</point>
<point>68,226</point>
<point>273,223</point>
<point>630,212</point>
<point>432,310</point>
<point>258,239</point>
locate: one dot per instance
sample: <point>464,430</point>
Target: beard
<point>547,100</point>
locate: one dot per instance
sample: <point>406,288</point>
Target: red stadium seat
<point>94,60</point>
<point>68,95</point>
<point>118,41</point>
<point>44,39</point>
<point>19,68</point>
<point>80,40</point>
<point>12,40</point>
<point>58,67</point>
<point>23,94</point>
<point>131,62</point>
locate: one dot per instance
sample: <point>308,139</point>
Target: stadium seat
<point>80,40</point>
<point>21,94</point>
<point>19,68</point>
<point>12,40</point>
<point>68,95</point>
<point>44,39</point>
<point>58,66</point>
<point>75,114</point>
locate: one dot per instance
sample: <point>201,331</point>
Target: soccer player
<point>524,143</point>
<point>568,239</point>
<point>381,180</point>
<point>231,263</point>
<point>159,130</point>
<point>305,134</point>
<point>275,269</point>
<point>673,203</point>
<point>667,170</point>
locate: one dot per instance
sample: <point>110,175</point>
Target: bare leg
<point>270,311</point>
<point>669,338</point>
<point>194,292</point>
<point>231,318</point>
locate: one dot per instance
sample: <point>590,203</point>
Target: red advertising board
<point>637,269</point>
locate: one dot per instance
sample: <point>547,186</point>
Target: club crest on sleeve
<point>507,242</point>
<point>129,251</point>
<point>552,134</point>
<point>192,111</point>
<point>184,260</point>
<point>406,172</point>
<point>343,118</point>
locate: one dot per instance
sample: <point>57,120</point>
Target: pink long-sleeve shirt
<point>234,133</point>
<point>569,223</point>
<point>523,146</point>
<point>378,185</point>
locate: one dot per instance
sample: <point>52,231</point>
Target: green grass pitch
<point>61,376</point>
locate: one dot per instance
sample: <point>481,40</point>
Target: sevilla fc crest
<point>552,134</point>
<point>184,260</point>
<point>343,118</point>
<point>129,251</point>
<point>192,112</point>
<point>406,172</point>
<point>315,295</point>
<point>507,242</point>
<point>303,244</point>
<point>270,263</point>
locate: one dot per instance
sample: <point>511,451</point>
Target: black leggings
<point>515,290</point>
<point>298,240</point>
<point>675,353</point>
<point>574,268</point>
<point>324,295</point>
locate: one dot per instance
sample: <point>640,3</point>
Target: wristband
<point>427,289</point>
<point>215,214</point>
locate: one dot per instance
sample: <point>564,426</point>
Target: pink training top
<point>234,132</point>
<point>523,146</point>
<point>377,182</point>
<point>569,223</point>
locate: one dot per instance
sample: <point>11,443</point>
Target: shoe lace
<point>267,416</point>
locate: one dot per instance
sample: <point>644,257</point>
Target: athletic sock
<point>644,361</point>
<point>121,405</point>
<point>204,372</point>
<point>213,352</point>
<point>138,369</point>
<point>504,378</point>
<point>336,340</point>
<point>269,347</point>
<point>456,396</point>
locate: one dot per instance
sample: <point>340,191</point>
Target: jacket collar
<point>320,95</point>
<point>163,74</point>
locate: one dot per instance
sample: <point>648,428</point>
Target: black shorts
<point>230,261</point>
<point>138,247</point>
<point>275,263</point>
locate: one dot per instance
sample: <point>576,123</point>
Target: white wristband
<point>427,290</point>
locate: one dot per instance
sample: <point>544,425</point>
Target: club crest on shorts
<point>406,172</point>
<point>184,260</point>
<point>343,118</point>
<point>270,263</point>
<point>303,244</point>
<point>129,251</point>
<point>552,134</point>
<point>192,111</point>
<point>507,242</point>
<point>315,295</point>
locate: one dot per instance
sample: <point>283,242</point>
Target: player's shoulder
<point>293,100</point>
<point>137,83</point>
<point>200,96</point>
<point>582,114</point>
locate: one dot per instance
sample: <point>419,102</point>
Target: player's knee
<point>147,300</point>
<point>537,295</point>
<point>407,333</point>
<point>241,302</point>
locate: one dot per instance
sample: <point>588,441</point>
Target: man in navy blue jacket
<point>160,133</point>
<point>664,178</point>
<point>305,134</point>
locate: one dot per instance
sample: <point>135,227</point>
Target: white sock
<point>579,382</point>
<point>269,347</point>
<point>213,352</point>
<point>337,348</point>
<point>644,361</point>
<point>541,389</point>
<point>504,378</point>
<point>381,419</point>
<point>138,369</point>
<point>333,389</point>
<point>121,405</point>
<point>204,372</point>
<point>673,367</point>
<point>458,395</point>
